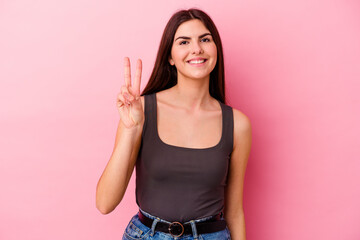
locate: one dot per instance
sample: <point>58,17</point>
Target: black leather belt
<point>177,229</point>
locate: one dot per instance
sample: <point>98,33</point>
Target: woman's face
<point>193,51</point>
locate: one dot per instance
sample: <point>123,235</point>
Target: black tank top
<point>177,183</point>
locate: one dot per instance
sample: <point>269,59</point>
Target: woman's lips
<point>197,64</point>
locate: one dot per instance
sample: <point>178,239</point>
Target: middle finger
<point>127,72</point>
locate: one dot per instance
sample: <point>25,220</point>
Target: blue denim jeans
<point>137,230</point>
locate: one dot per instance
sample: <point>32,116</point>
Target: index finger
<point>127,73</point>
<point>137,81</point>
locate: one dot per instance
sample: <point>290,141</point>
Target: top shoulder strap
<point>149,113</point>
<point>228,125</point>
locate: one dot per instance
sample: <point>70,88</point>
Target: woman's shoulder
<point>239,117</point>
<point>242,126</point>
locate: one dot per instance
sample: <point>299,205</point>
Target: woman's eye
<point>205,40</point>
<point>183,42</point>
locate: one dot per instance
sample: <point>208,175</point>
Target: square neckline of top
<point>187,148</point>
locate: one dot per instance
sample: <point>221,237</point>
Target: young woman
<point>189,147</point>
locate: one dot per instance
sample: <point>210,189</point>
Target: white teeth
<point>197,61</point>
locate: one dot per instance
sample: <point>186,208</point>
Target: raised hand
<point>128,100</point>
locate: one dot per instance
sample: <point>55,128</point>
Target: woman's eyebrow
<point>201,36</point>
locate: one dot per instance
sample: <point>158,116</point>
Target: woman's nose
<point>196,48</point>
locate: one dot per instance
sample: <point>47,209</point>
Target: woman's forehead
<point>191,28</point>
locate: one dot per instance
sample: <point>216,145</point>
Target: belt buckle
<point>173,224</point>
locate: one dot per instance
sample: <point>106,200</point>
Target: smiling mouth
<point>197,61</point>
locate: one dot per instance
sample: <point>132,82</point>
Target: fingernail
<point>128,96</point>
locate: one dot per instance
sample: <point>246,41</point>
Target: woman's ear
<point>171,61</point>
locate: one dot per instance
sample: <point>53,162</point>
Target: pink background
<point>293,67</point>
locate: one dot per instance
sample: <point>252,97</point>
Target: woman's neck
<point>192,94</point>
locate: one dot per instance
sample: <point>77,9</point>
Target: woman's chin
<point>196,75</point>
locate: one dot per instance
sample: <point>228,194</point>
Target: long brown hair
<point>164,75</point>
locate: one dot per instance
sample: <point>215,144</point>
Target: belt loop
<point>153,226</point>
<point>194,230</point>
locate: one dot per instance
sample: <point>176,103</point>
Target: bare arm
<point>115,178</point>
<point>234,213</point>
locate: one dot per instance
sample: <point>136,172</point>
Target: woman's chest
<point>189,130</point>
